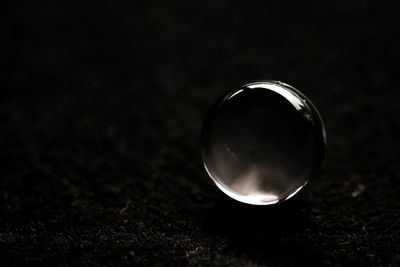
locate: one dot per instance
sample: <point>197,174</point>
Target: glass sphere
<point>262,143</point>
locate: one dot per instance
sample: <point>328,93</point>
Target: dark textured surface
<point>101,108</point>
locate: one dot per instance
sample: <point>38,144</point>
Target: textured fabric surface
<point>101,107</point>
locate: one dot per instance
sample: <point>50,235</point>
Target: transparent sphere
<point>263,142</point>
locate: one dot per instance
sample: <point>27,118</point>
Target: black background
<point>101,107</point>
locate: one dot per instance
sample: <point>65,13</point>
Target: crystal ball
<point>263,142</point>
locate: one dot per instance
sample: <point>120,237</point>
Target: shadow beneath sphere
<point>278,233</point>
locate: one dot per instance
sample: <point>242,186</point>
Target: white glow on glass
<point>296,102</point>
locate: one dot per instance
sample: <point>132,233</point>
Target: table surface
<point>101,108</point>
